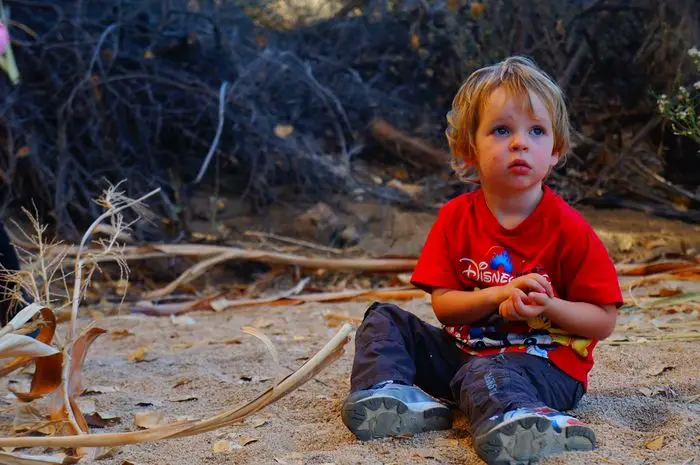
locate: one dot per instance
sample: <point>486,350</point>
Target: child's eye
<point>501,131</point>
<point>537,131</point>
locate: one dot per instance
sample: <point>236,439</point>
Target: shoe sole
<point>528,439</point>
<point>379,417</point>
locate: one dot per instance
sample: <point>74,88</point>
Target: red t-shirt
<point>468,249</point>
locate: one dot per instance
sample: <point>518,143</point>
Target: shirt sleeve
<point>435,268</point>
<point>589,272</point>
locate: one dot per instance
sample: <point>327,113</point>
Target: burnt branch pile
<point>146,90</point>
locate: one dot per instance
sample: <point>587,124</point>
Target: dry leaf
<point>646,391</point>
<point>245,441</point>
<point>23,151</point>
<point>182,382</point>
<point>46,379</point>
<point>262,323</point>
<point>259,423</point>
<point>655,444</point>
<point>182,399</point>
<point>223,445</point>
<point>107,453</point>
<point>453,5</point>
<point>415,41</point>
<point>100,390</point>
<point>283,130</point>
<point>16,345</point>
<point>121,333</point>
<point>656,371</point>
<point>233,340</point>
<point>148,420</point>
<point>668,292</point>
<point>477,9</point>
<point>101,420</point>
<point>138,355</point>
<point>265,340</point>
<point>29,419</point>
<point>560,28</point>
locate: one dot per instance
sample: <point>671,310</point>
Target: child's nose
<point>518,142</point>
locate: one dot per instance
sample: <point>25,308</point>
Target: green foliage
<point>681,110</point>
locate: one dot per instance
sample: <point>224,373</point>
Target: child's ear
<point>555,159</point>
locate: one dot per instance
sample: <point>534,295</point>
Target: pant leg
<point>492,385</point>
<point>393,344</point>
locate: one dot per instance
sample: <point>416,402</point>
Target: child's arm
<point>579,318</point>
<point>454,307</point>
<point>464,307</point>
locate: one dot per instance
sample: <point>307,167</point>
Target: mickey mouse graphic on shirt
<point>539,336</point>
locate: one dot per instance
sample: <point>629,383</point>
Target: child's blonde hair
<point>517,75</point>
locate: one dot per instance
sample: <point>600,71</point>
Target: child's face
<point>514,148</point>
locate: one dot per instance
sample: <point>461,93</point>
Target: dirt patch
<point>639,392</point>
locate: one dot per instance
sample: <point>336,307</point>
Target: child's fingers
<point>517,299</point>
<point>538,298</point>
<point>546,285</point>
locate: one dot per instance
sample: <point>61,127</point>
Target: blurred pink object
<point>4,38</point>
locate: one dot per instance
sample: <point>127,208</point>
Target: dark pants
<point>393,344</point>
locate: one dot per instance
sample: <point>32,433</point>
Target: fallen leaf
<point>415,41</point>
<point>23,151</point>
<point>245,441</point>
<point>29,419</point>
<point>182,399</point>
<point>561,30</point>
<point>668,292</point>
<point>258,423</point>
<point>87,405</point>
<point>101,420</point>
<point>222,445</point>
<point>453,5</point>
<point>107,453</point>
<point>149,403</point>
<point>659,370</point>
<point>182,382</point>
<point>138,355</point>
<point>283,130</point>
<point>121,333</point>
<point>182,345</point>
<point>477,9</point>
<point>17,345</point>
<point>147,420</point>
<point>100,390</point>
<point>262,323</point>
<point>233,340</point>
<point>655,444</point>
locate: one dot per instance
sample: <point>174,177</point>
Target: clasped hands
<point>525,297</point>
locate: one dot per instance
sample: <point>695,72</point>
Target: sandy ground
<point>638,393</point>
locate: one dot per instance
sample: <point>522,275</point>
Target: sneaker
<point>522,436</point>
<point>392,409</point>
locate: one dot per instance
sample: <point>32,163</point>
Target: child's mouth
<point>519,167</point>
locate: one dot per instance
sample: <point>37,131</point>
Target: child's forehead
<point>502,99</point>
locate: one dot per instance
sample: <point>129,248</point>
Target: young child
<point>521,283</point>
